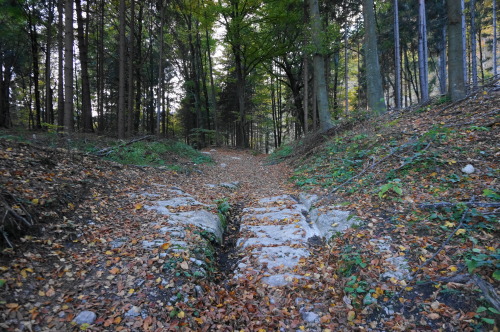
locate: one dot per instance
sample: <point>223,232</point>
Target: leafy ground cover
<point>69,207</point>
<point>394,172</point>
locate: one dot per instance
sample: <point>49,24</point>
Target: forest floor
<point>89,217</point>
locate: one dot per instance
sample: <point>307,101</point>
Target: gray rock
<point>280,256</point>
<point>277,199</point>
<point>230,185</point>
<point>308,200</point>
<point>133,312</point>
<point>152,244</point>
<point>201,218</point>
<point>117,243</point>
<point>331,221</point>
<point>223,165</point>
<point>85,317</point>
<point>310,317</point>
<point>277,280</point>
<point>401,269</point>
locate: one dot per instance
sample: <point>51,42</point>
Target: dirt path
<point>119,265</point>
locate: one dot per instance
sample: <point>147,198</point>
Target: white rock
<point>133,312</point>
<point>85,317</point>
<point>469,169</point>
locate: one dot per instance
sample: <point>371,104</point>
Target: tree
<point>373,77</point>
<point>495,72</point>
<point>423,53</point>
<point>319,67</point>
<point>83,41</point>
<point>473,42</point>
<point>121,78</point>
<point>68,67</point>
<point>456,84</point>
<point>397,58</point>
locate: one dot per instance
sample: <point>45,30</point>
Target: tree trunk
<point>100,69</point>
<point>84,62</point>
<point>121,73</point>
<point>346,71</point>
<point>306,94</point>
<point>456,84</point>
<point>213,101</point>
<point>397,57</point>
<point>131,72</point>
<point>423,69</point>
<point>464,43</point>
<point>68,67</point>
<point>373,77</point>
<point>442,61</point>
<point>495,70</point>
<point>473,42</point>
<point>60,71</point>
<point>319,67</point>
<point>36,70</point>
<point>159,99</point>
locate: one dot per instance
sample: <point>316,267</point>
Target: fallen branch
<point>373,165</point>
<point>448,204</point>
<point>460,224</point>
<point>488,290</point>
<point>108,150</point>
<point>16,215</point>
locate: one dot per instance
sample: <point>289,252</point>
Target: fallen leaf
<point>165,246</point>
<point>114,270</point>
<point>184,265</point>
<point>181,314</point>
<point>138,206</point>
<point>351,315</point>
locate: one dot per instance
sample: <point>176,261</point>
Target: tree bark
<point>473,42</point>
<point>397,58</point>
<point>87,125</point>
<point>213,101</point>
<point>495,70</point>
<point>423,53</point>
<point>131,71</point>
<point>36,69</point>
<point>49,112</point>
<point>60,71</point>
<point>68,67</point>
<point>121,73</point>
<point>319,67</point>
<point>456,84</point>
<point>442,61</point>
<point>373,77</point>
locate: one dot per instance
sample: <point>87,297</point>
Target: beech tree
<point>456,84</point>
<point>68,67</point>
<point>375,93</point>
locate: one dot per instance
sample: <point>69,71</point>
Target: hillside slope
<point>425,183</point>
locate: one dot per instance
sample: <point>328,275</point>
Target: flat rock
<point>277,199</point>
<point>298,232</point>
<point>278,280</point>
<point>331,221</point>
<point>85,317</point>
<point>133,312</point>
<point>308,200</point>
<point>230,185</point>
<point>201,218</point>
<point>280,256</point>
<point>273,214</point>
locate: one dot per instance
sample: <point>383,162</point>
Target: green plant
<point>223,209</point>
<point>350,261</point>
<point>394,185</point>
<point>355,286</point>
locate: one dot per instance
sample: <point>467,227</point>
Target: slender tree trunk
<point>464,43</point>
<point>49,112</point>
<point>473,42</point>
<point>319,67</point>
<point>397,57</point>
<point>60,71</point>
<point>455,51</point>
<point>423,54</point>
<point>213,101</point>
<point>121,73</point>
<point>306,93</point>
<point>346,70</point>
<point>100,69</point>
<point>480,46</point>
<point>68,67</point>
<point>495,70</point>
<point>131,71</point>
<point>84,62</point>
<point>159,99</point>
<point>36,70</point>
<point>442,62</point>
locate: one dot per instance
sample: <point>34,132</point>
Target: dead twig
<point>460,224</point>
<point>449,204</point>
<point>108,150</point>
<point>488,290</point>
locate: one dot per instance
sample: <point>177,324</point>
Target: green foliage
<point>491,194</point>
<point>156,153</point>
<point>394,186</point>
<point>350,261</point>
<point>223,209</point>
<point>282,152</point>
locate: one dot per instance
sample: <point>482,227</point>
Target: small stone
<point>310,316</point>
<point>468,169</point>
<point>133,312</point>
<point>85,317</point>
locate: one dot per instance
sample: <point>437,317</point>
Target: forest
<point>244,73</point>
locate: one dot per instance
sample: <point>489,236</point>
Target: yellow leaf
<point>434,174</point>
<point>131,291</point>
<point>452,268</point>
<point>165,246</point>
<point>184,265</point>
<point>41,293</point>
<point>109,252</point>
<point>71,206</point>
<point>29,269</point>
<point>452,161</point>
<point>181,314</point>
<point>302,327</point>
<point>198,320</point>
<point>461,231</point>
<point>24,274</point>
<point>422,258</point>
<point>3,268</point>
<point>449,224</point>
<point>158,280</point>
<point>12,305</point>
<point>489,248</point>
<point>138,206</point>
<point>351,315</point>
<point>35,201</point>
<point>117,320</point>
